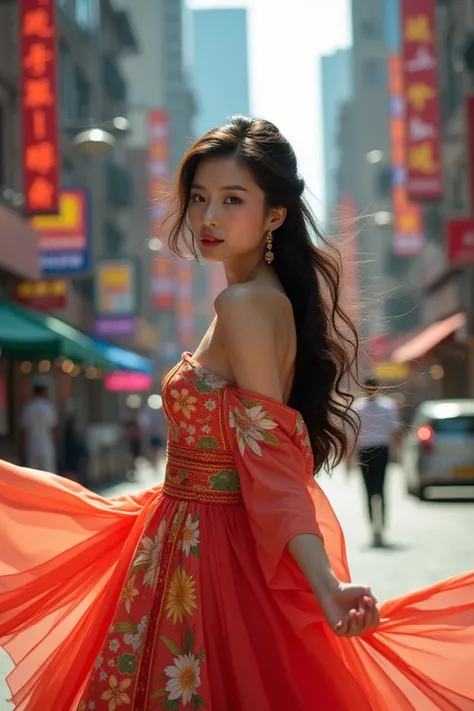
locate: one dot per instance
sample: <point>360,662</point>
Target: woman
<point>228,588</point>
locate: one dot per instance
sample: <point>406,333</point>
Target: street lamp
<point>97,140</point>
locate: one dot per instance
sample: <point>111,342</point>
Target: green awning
<point>27,335</point>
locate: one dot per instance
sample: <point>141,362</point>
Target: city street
<point>426,540</point>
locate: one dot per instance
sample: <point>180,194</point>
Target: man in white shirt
<point>39,422</point>
<point>380,429</point>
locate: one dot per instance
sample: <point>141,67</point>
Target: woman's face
<point>227,211</point>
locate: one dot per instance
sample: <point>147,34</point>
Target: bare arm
<point>250,331</point>
<point>249,325</point>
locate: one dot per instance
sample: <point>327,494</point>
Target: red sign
<point>124,381</point>
<point>159,173</point>
<point>461,242</point>
<point>38,56</point>
<point>45,295</point>
<point>408,235</point>
<point>470,147</point>
<point>420,66</point>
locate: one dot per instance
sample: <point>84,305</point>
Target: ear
<point>277,218</point>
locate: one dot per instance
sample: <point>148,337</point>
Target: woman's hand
<point>351,610</point>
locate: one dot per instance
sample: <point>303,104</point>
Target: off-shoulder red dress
<point>185,597</point>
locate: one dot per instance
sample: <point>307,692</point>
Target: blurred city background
<point>99,99</point>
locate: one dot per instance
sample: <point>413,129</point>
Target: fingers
<point>359,621</point>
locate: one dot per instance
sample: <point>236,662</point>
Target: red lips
<point>208,240</point>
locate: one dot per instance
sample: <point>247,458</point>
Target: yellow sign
<point>70,216</point>
<point>392,371</point>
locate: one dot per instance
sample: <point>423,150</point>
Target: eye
<point>196,198</point>
<point>232,200</point>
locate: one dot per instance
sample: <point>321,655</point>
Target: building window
<point>370,30</point>
<point>459,188</point>
<point>83,97</point>
<point>84,14</point>
<point>374,72</point>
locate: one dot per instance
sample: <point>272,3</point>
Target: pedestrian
<point>380,432</point>
<point>39,423</point>
<point>228,589</point>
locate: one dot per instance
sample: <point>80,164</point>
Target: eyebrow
<point>225,187</point>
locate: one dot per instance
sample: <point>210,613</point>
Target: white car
<point>439,447</point>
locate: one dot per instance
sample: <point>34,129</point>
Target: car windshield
<point>455,425</point>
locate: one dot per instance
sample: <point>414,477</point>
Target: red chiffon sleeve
<point>62,549</point>
<point>421,656</point>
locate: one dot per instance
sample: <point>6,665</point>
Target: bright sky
<point>286,39</point>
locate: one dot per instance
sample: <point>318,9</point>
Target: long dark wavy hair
<point>309,269</point>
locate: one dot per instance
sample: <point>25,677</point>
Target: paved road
<point>427,541</point>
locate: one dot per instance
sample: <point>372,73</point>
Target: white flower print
<point>190,440</point>
<point>111,629</point>
<point>184,678</point>
<point>251,425</point>
<point>183,425</point>
<point>191,429</point>
<point>190,535</point>
<point>103,675</point>
<point>208,378</point>
<point>149,554</point>
<point>111,662</point>
<point>98,662</point>
<point>205,429</point>
<point>135,640</point>
<point>210,405</point>
<point>114,645</point>
<point>91,706</point>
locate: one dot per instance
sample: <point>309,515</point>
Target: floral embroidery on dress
<point>115,694</point>
<point>252,424</point>
<point>129,592</point>
<point>206,381</point>
<point>184,402</point>
<point>181,600</point>
<point>184,675</point>
<point>303,436</point>
<point>149,553</point>
<point>190,542</point>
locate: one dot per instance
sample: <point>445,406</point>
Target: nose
<point>209,217</point>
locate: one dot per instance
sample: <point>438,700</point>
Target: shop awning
<point>123,359</point>
<point>27,335</point>
<point>423,342</point>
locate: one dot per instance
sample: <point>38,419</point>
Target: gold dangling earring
<point>269,256</point>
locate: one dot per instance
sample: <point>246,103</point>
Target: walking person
<point>380,430</point>
<point>39,423</point>
<point>228,588</point>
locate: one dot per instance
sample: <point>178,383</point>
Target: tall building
<point>162,110</point>
<point>220,67</point>
<point>336,90</point>
<point>221,81</point>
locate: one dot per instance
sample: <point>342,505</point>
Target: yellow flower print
<point>115,695</point>
<point>184,402</point>
<point>129,592</point>
<point>181,595</point>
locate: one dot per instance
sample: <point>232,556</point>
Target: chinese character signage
<point>461,242</point>
<point>409,237</point>
<point>115,297</point>
<point>470,148</point>
<point>420,65</point>
<point>39,101</point>
<point>44,295</point>
<point>65,238</point>
<point>185,306</point>
<point>159,171</point>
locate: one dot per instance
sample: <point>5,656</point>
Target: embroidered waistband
<point>201,475</point>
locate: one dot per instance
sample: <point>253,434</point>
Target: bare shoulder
<point>256,325</point>
<point>252,299</point>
